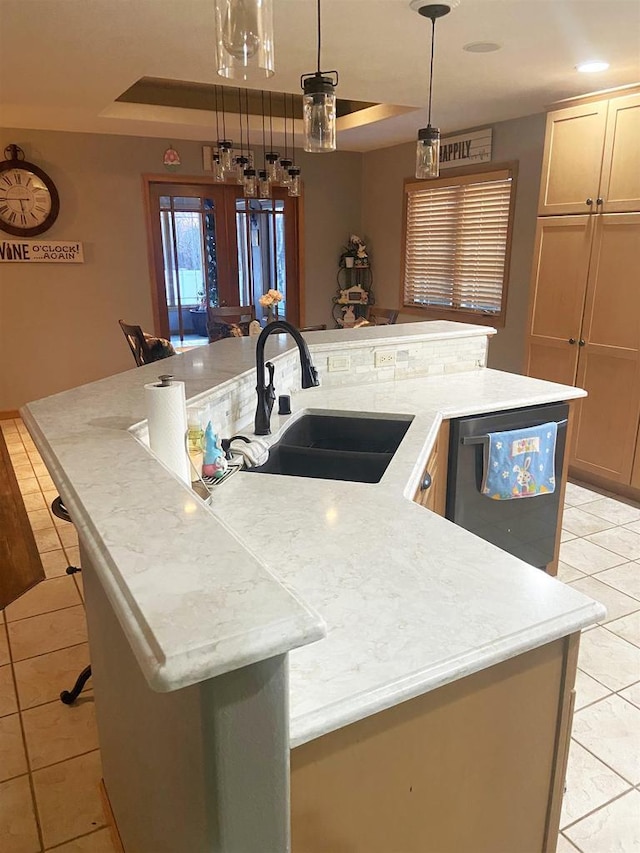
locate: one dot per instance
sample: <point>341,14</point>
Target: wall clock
<point>29,201</point>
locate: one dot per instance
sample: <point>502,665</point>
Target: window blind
<point>456,239</point>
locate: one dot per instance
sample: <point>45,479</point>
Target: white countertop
<point>408,600</point>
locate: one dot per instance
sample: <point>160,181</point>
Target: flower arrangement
<point>270,300</point>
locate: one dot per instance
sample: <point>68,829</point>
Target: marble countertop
<point>379,599</point>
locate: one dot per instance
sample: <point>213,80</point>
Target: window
<point>457,240</point>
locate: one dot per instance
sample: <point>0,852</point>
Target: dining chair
<point>382,316</point>
<point>320,327</point>
<point>137,343</point>
<point>221,320</point>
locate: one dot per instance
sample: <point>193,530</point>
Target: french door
<point>211,247</point>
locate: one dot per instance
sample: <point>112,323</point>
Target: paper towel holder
<point>165,380</point>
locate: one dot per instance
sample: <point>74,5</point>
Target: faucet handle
<point>270,367</point>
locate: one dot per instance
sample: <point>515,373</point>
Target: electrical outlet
<point>338,362</point>
<point>385,358</point>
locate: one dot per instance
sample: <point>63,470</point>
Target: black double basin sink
<point>350,447</point>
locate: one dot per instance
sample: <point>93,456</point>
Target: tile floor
<point>49,758</point>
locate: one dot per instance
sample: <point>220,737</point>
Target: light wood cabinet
<point>584,329</point>
<point>432,490</point>
<point>591,160</point>
<point>584,310</point>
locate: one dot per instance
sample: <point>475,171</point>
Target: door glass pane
<point>188,232</point>
<point>261,252</point>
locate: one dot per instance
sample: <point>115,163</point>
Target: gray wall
<point>382,195</point>
<point>59,322</point>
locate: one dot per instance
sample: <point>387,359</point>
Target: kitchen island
<point>330,644</point>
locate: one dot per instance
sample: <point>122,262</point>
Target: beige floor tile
<point>28,486</point>
<point>617,603</point>
<point>619,540</point>
<point>54,563</point>
<point>68,536</point>
<point>55,732</point>
<point>609,729</point>
<point>565,536</point>
<point>632,694</point>
<point>34,501</point>
<point>565,846</point>
<point>41,679</point>
<point>48,632</point>
<point>612,829</point>
<point>40,469</point>
<point>588,690</point>
<point>588,557</point>
<point>567,573</point>
<point>13,761</point>
<point>73,555</point>
<point>48,595</point>
<point>47,540</point>
<point>18,830</point>
<point>576,495</point>
<point>13,439</point>
<point>581,523</point>
<point>47,484</point>
<point>589,785</point>
<point>609,659</point>
<point>23,471</point>
<point>97,842</point>
<point>614,510</point>
<point>4,645</point>
<point>8,701</point>
<point>50,495</point>
<point>40,519</point>
<point>626,578</point>
<point>68,798</point>
<point>634,526</point>
<point>628,627</point>
<point>79,583</point>
<point>8,427</point>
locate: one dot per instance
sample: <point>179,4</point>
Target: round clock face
<point>28,199</point>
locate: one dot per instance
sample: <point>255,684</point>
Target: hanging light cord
<point>215,88</point>
<point>433,42</point>
<point>240,120</point>
<point>319,36</point>
<point>286,156</point>
<point>224,121</point>
<point>246,116</point>
<point>264,158</point>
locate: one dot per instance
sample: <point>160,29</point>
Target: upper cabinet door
<point>572,163</point>
<point>620,184</point>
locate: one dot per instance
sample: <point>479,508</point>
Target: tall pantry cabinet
<point>584,314</point>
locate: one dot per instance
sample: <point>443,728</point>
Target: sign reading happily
<point>466,149</point>
<point>40,251</point>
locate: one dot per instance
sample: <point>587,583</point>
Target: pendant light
<point>271,156</point>
<point>250,175</point>
<point>245,38</point>
<point>285,162</point>
<point>428,144</point>
<point>319,106</point>
<point>218,171</point>
<point>294,171</point>
<point>225,146</point>
<point>264,185</point>
<point>241,162</point>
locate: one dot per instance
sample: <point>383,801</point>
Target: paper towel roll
<point>167,419</point>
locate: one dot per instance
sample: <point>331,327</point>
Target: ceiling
<point>63,63</point>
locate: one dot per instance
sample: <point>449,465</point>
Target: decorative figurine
<point>214,464</point>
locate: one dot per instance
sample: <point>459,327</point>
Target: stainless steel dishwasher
<point>526,527</point>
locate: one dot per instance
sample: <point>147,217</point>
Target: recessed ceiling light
<point>481,47</point>
<point>592,66</point>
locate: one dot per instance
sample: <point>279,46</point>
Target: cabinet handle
<point>599,200</point>
<point>572,341</point>
<point>426,482</point>
<point>581,342</point>
<point>589,201</point>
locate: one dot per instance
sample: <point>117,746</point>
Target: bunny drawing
<point>525,484</point>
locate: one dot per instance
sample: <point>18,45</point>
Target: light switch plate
<point>338,362</point>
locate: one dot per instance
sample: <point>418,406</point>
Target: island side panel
<point>200,769</point>
<point>474,767</point>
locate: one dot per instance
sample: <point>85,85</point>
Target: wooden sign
<point>466,149</point>
<point>41,251</point>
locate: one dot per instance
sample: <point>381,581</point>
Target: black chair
<point>68,697</point>
<point>145,348</point>
<point>321,327</point>
<point>382,316</point>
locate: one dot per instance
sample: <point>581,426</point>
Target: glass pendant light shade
<point>283,171</point>
<point>242,163</point>
<point>244,39</point>
<point>225,148</point>
<point>294,181</point>
<point>264,184</point>
<point>272,158</point>
<point>428,152</point>
<point>319,113</point>
<point>250,183</point>
<point>218,173</point>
